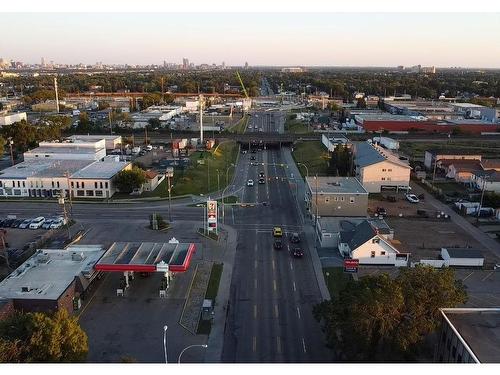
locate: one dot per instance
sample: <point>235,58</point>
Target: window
<point>383,170</point>
<point>382,253</point>
<point>57,183</point>
<point>80,193</point>
<point>90,193</point>
<point>341,199</point>
<point>83,184</point>
<point>98,193</point>
<point>389,170</point>
<point>327,200</point>
<point>72,184</point>
<point>388,179</point>
<point>376,240</point>
<point>95,185</point>
<point>53,184</point>
<point>372,255</point>
<point>383,178</point>
<point>78,185</point>
<point>106,184</point>
<point>18,183</point>
<point>0,183</point>
<point>100,184</point>
<point>351,200</point>
<point>24,184</point>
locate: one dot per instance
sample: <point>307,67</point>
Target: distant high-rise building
<point>185,63</point>
<point>223,65</point>
<point>42,62</point>
<point>246,65</point>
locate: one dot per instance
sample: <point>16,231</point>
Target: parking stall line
<point>255,311</point>
<point>304,345</point>
<point>276,311</point>
<point>278,344</point>
<point>255,283</point>
<point>469,275</point>
<point>275,287</point>
<point>298,312</point>
<point>294,287</point>
<point>487,276</point>
<point>254,344</point>
<point>255,264</point>
<point>291,265</point>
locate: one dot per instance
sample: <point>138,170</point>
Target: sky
<point>282,39</point>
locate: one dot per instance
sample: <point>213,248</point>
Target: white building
<point>371,246</point>
<point>331,142</point>
<point>111,141</point>
<point>379,169</point>
<point>80,168</point>
<point>489,180</point>
<point>9,119</point>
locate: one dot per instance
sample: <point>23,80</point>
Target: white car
<point>57,223</point>
<point>37,222</point>
<point>250,183</point>
<point>412,198</point>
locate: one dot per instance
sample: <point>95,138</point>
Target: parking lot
<point>400,207</point>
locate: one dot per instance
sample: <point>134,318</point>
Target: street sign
<point>212,216</point>
<point>351,265</point>
<point>162,267</point>
<point>169,172</point>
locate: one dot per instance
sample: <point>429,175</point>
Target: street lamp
<point>165,342</point>
<point>485,178</point>
<point>305,166</point>
<point>190,346</point>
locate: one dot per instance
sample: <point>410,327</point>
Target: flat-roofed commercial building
<point>92,150</point>
<point>469,335</point>
<point>336,196</point>
<point>111,141</point>
<point>52,279</point>
<point>10,118</point>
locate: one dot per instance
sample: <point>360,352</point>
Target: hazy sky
<point>356,39</point>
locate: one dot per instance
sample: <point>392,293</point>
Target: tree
<point>361,103</point>
<point>42,337</point>
<point>340,161</point>
<point>151,99</point>
<point>379,319</point>
<point>131,179</point>
<point>154,122</point>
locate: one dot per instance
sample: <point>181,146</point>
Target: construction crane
<point>242,85</point>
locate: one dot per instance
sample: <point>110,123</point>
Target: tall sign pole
<point>57,95</point>
<point>200,99</point>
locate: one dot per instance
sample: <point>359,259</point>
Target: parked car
<point>136,191</point>
<point>16,223</point>
<point>296,252</point>
<point>250,183</point>
<point>381,211</point>
<point>252,157</point>
<point>412,198</point>
<point>262,175</point>
<point>47,223</point>
<point>57,223</point>
<point>277,232</point>
<point>278,244</point>
<point>25,224</point>
<point>8,222</point>
<point>294,238</point>
<point>37,222</point>
<point>262,181</point>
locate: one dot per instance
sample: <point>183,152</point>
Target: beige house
<point>379,169</point>
<point>153,179</point>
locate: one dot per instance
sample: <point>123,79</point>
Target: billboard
<point>351,265</point>
<point>212,216</point>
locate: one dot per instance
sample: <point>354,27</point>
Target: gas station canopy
<point>146,257</point>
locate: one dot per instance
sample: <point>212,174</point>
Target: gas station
<point>146,258</point>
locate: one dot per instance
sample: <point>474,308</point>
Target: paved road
<point>272,294</point>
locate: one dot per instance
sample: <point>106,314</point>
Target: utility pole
<point>169,199</point>
<point>162,91</point>
<point>57,94</point>
<point>146,135</point>
<point>69,192</point>
<point>62,201</point>
<point>11,142</point>
<point>110,126</point>
<point>316,216</point>
<point>200,99</point>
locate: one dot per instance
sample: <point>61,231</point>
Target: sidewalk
<point>213,353</point>
<point>476,233</point>
<point>307,223</point>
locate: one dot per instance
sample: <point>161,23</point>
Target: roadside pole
<point>169,174</point>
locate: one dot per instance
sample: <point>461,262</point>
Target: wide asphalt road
<point>272,294</point>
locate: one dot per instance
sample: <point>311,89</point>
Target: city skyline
<point>312,39</point>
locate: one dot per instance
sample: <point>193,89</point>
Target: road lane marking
<point>278,344</point>
<point>254,344</point>
<point>255,264</point>
<point>274,264</point>
<point>291,265</point>
<point>298,312</point>
<point>274,285</point>
<point>255,311</point>
<point>294,287</point>
<point>304,345</point>
<point>276,311</point>
<point>469,275</point>
<point>255,283</point>
<point>488,275</point>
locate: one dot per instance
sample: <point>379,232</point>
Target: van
<point>37,222</point>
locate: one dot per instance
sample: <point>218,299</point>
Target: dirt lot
<point>424,238</point>
<point>401,206</point>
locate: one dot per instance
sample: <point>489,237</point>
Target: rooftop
<point>385,117</point>
<point>48,273</point>
<point>452,151</point>
<point>464,252</point>
<point>367,153</point>
<point>105,169</point>
<point>479,328</point>
<point>335,185</point>
<point>50,168</point>
<point>364,231</point>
